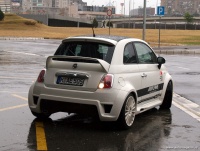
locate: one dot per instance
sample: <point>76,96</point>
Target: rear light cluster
<point>106,82</point>
<point>40,78</point>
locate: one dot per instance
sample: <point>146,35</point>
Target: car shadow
<point>76,132</point>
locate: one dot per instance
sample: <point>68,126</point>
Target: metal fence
<point>162,25</point>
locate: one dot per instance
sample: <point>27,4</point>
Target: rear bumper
<point>107,102</point>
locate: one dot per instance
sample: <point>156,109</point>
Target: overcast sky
<point>137,3</point>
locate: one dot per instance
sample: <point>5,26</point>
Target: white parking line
<point>30,54</point>
<point>13,107</point>
<point>13,92</point>
<point>17,106</point>
<point>187,106</point>
<point>21,97</point>
<point>183,68</point>
<point>17,78</point>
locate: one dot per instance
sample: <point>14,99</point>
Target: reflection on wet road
<point>155,130</point>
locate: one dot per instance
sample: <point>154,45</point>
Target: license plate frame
<point>72,81</point>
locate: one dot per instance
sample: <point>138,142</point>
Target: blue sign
<point>160,10</point>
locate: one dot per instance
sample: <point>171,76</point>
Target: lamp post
<point>144,21</point>
<point>124,8</point>
<point>129,13</point>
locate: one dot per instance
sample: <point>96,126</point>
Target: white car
<point>111,76</point>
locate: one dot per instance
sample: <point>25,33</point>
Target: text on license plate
<point>70,81</point>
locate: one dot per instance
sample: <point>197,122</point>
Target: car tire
<point>41,115</point>
<point>167,101</point>
<point>127,114</point>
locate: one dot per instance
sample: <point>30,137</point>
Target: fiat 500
<point>112,77</point>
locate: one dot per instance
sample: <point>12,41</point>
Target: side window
<point>145,54</point>
<point>103,50</point>
<point>78,50</point>
<point>129,54</point>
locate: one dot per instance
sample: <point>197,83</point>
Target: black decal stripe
<point>146,91</point>
<point>153,97</point>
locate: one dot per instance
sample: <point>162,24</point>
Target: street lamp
<point>124,8</point>
<point>129,12</point>
<point>144,21</point>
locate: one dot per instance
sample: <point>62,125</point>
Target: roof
<point>111,37</point>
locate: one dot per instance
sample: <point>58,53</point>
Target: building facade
<point>5,5</point>
<point>71,8</point>
<point>180,7</point>
<point>138,12</point>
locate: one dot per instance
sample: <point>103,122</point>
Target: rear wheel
<point>41,115</point>
<point>127,114</point>
<point>167,101</point>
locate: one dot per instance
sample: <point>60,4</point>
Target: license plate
<point>70,81</point>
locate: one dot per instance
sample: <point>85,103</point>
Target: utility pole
<point>144,21</point>
<point>129,13</point>
<point>124,8</point>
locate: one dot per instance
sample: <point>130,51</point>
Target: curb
<point>189,105</point>
<point>178,51</point>
<point>21,38</point>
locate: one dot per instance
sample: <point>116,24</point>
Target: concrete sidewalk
<point>21,38</point>
<point>178,50</point>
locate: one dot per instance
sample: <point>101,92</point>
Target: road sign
<point>109,12</point>
<point>160,10</point>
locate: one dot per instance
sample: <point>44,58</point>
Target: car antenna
<point>93,32</point>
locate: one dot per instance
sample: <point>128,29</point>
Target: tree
<point>1,15</point>
<point>189,18</point>
<point>95,23</point>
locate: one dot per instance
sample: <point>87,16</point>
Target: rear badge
<point>75,66</point>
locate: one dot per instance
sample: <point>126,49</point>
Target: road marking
<point>13,107</point>
<point>12,92</point>
<point>30,54</point>
<point>187,106</point>
<point>183,68</point>
<point>17,106</point>
<point>40,136</point>
<point>21,97</point>
<point>17,78</point>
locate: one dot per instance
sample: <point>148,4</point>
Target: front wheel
<point>167,101</point>
<point>127,114</point>
<point>41,115</point>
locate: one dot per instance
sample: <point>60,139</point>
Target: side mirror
<point>160,61</point>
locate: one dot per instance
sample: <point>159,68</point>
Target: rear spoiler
<point>76,59</point>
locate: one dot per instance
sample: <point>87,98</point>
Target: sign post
<point>109,13</point>
<point>160,12</point>
<point>144,21</point>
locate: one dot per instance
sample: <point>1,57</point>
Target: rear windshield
<point>87,49</point>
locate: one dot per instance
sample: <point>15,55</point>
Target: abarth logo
<point>75,66</point>
<point>153,88</point>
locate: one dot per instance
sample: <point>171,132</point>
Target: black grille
<point>35,99</point>
<point>52,106</point>
<point>107,108</point>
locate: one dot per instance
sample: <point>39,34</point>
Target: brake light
<point>106,81</point>
<point>40,78</point>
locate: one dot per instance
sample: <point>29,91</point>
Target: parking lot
<point>174,129</point>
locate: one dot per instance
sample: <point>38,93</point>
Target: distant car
<point>115,77</point>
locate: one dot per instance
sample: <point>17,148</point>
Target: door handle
<point>144,75</point>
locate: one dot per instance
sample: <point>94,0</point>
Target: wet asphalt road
<point>185,70</point>
<point>155,130</point>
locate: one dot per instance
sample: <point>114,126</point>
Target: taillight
<point>40,78</point>
<point>106,81</point>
